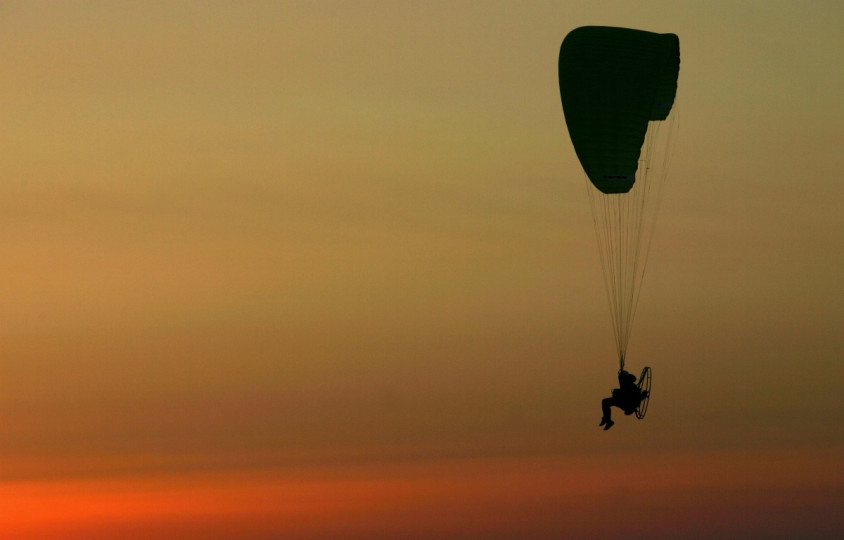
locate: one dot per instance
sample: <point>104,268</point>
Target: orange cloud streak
<point>591,497</point>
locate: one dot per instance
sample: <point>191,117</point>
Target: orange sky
<point>763,496</point>
<point>324,268</point>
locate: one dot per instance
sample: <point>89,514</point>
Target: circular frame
<point>644,385</point>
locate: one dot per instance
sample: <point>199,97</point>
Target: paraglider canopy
<point>613,81</point>
<point>618,87</point>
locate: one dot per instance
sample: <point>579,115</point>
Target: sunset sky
<point>327,270</point>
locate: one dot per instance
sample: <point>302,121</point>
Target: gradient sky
<point>327,270</point>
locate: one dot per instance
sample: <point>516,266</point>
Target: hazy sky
<point>327,269</point>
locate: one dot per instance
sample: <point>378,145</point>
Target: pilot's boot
<point>609,423</point>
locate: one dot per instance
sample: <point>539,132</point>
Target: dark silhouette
<point>627,398</point>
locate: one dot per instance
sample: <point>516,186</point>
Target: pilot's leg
<point>606,403</point>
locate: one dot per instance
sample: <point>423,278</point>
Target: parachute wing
<point>618,89</point>
<point>613,82</point>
